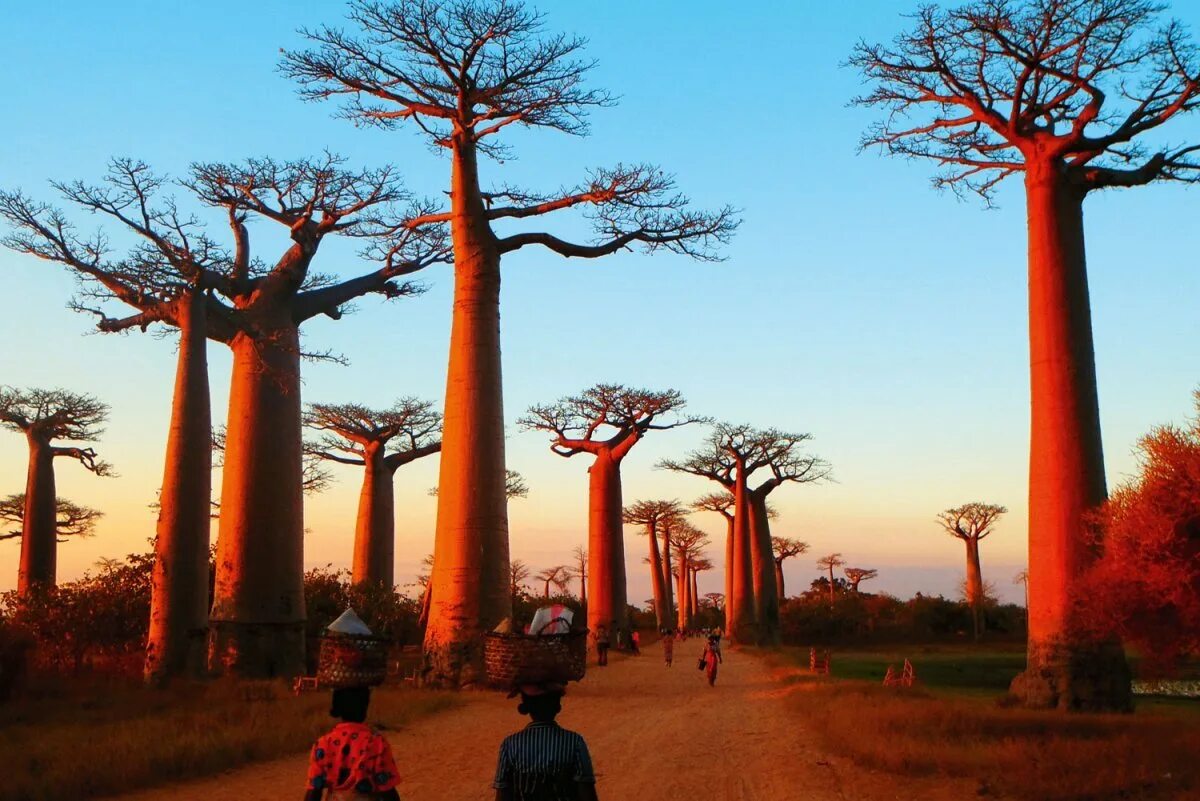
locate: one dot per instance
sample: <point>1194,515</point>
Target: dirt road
<point>654,733</point>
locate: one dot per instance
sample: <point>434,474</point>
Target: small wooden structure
<point>904,678</point>
<point>818,661</point>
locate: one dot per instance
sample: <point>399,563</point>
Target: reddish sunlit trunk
<point>375,531</point>
<point>741,603</point>
<point>974,587</point>
<point>606,545</point>
<point>177,641</point>
<point>1066,467</point>
<point>683,617</point>
<point>779,579</point>
<point>471,562</point>
<point>662,615</point>
<point>668,573</point>
<point>728,570</point>
<point>257,621</point>
<point>766,593</point>
<point>694,606</point>
<point>39,528</point>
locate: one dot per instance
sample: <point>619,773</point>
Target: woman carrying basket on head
<point>711,658</point>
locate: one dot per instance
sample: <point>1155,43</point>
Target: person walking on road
<point>543,761</point>
<point>711,659</point>
<point>668,641</point>
<point>602,643</point>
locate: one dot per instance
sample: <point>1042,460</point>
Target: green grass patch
<point>951,668</point>
<point>93,739</point>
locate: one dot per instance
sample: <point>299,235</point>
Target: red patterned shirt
<point>352,757</point>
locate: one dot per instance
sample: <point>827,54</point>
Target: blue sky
<point>856,303</point>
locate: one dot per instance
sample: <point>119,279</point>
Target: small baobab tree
<point>830,563</point>
<point>579,570</point>
<point>381,442</point>
<point>785,548</point>
<point>857,575</point>
<point>970,523</point>
<point>688,543</point>
<point>467,74</point>
<point>559,576</point>
<point>47,417</point>
<point>606,421</point>
<point>700,564</point>
<point>653,517</point>
<point>70,519</point>
<point>721,503</point>
<point>518,574</point>
<point>1071,96</point>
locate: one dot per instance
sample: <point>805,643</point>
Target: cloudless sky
<point>856,303</point>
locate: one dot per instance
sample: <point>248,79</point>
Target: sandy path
<point>654,733</point>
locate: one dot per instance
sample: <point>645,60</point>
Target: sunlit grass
<point>87,741</point>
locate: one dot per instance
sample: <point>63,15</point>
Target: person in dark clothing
<point>543,761</point>
<point>602,643</point>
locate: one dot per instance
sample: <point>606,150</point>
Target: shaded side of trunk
<point>177,641</point>
<point>974,587</point>
<point>766,593</point>
<point>728,572</point>
<point>683,590</point>
<point>1066,466</point>
<point>779,579</point>
<point>471,560</point>
<point>375,530</point>
<point>39,528</point>
<point>742,618</point>
<point>662,614</point>
<point>606,546</point>
<point>257,622</point>
<point>668,574</point>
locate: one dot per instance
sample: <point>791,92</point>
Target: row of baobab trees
<point>1067,94</point>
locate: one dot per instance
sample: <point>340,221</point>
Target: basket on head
<point>511,658</point>
<point>350,655</point>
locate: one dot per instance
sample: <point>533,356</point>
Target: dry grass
<point>1014,753</point>
<point>107,738</point>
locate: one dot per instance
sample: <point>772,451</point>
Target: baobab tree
<point>518,574</point>
<point>579,570</point>
<point>380,441</point>
<point>46,417</point>
<point>730,456</point>
<point>970,523</point>
<point>559,576</point>
<point>465,73</point>
<point>830,563</point>
<point>606,421</point>
<point>654,516</point>
<point>857,575</point>
<point>70,519</point>
<point>688,543</point>
<point>1068,94</point>
<point>700,564</point>
<point>722,503</point>
<point>785,548</point>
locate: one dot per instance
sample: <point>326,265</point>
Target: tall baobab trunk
<point>741,601</point>
<point>177,641</point>
<point>662,614</point>
<point>470,575</point>
<point>258,605</point>
<point>729,566</point>
<point>375,530</point>
<point>779,579</point>
<point>1066,467</point>
<point>606,545</point>
<point>694,598</point>
<point>974,587</point>
<point>684,614</point>
<point>39,529</point>
<point>766,593</point>
<point>668,574</point>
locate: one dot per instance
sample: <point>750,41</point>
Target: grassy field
<point>953,724</point>
<point>89,739</point>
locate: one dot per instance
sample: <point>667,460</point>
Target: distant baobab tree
<point>716,600</point>
<point>606,421</point>
<point>70,520</point>
<point>463,73</point>
<point>559,576</point>
<point>381,441</point>
<point>722,503</point>
<point>699,564</point>
<point>970,523</point>
<point>785,548</point>
<point>47,417</point>
<point>1022,578</point>
<point>654,517</point>
<point>688,543</point>
<point>831,563</point>
<point>518,574</point>
<point>730,456</point>
<point>857,575</point>
<point>579,570</point>
<point>1070,95</point>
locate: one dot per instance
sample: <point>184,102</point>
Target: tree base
<point>1077,678</point>
<point>189,661</point>
<point>453,665</point>
<point>256,650</point>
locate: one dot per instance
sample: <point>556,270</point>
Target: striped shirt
<point>544,762</point>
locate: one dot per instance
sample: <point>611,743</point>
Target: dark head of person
<point>350,704</point>
<point>542,703</point>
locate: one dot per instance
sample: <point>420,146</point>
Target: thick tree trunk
<point>728,572</point>
<point>471,560</point>
<point>39,528</point>
<point>695,596</point>
<point>779,580</point>
<point>766,593</point>
<point>742,627</point>
<point>606,545</point>
<point>975,587</point>
<point>668,574</point>
<point>662,614</point>
<point>177,640</point>
<point>1066,466</point>
<point>257,623</point>
<point>683,591</point>
<point>375,531</point>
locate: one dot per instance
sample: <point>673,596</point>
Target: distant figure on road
<point>353,761</point>
<point>635,643</point>
<point>712,658</point>
<point>668,640</point>
<point>601,645</point>
<point>543,761</point>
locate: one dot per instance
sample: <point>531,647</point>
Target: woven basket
<point>352,660</point>
<point>511,659</point>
